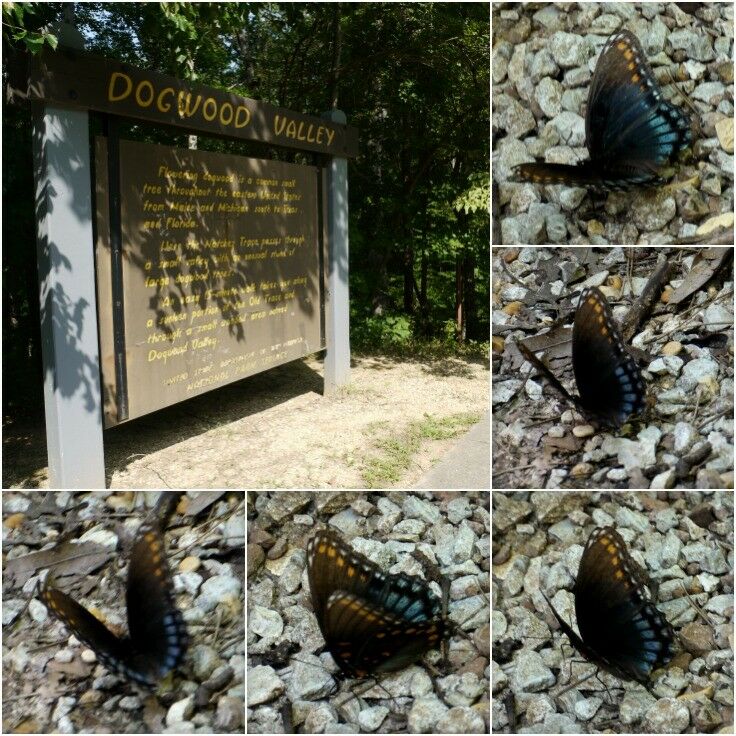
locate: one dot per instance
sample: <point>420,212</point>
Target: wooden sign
<point>220,271</point>
<point>74,78</point>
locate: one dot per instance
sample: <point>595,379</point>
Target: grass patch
<point>395,452</point>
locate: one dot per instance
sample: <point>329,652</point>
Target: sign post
<point>337,303</point>
<point>66,277</point>
<point>66,280</point>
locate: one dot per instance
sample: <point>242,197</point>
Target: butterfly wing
<point>585,174</point>
<point>157,640</point>
<point>363,638</point>
<point>371,621</point>
<point>631,130</point>
<point>157,629</point>
<point>333,565</point>
<point>327,569</point>
<point>109,648</point>
<point>621,628</point>
<point>608,379</point>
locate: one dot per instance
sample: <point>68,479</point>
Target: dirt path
<point>276,430</point>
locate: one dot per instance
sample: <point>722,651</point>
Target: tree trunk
<point>423,278</point>
<point>425,260</point>
<point>408,272</point>
<point>336,55</point>
<point>459,299</point>
<point>470,312</point>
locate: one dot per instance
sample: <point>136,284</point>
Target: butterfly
<point>157,639</point>
<point>631,131</point>
<point>621,630</point>
<point>609,382</point>
<point>371,621</point>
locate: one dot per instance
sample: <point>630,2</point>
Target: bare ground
<point>393,421</point>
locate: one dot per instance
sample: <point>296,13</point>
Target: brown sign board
<point>75,78</point>
<point>220,270</point>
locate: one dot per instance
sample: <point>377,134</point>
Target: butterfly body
<point>621,630</point>
<point>631,130</point>
<point>157,638</point>
<point>371,621</point>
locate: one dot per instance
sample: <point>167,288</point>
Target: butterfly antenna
<point>575,684</point>
<point>355,692</point>
<point>432,572</point>
<point>569,674</point>
<point>594,673</point>
<point>698,609</point>
<point>335,676</point>
<point>685,98</point>
<point>605,687</point>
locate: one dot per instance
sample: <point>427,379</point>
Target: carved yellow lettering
<point>209,104</point>
<point>226,106</point>
<point>278,124</point>
<point>160,100</point>
<point>111,96</point>
<point>241,122</point>
<point>145,84</point>
<point>185,109</point>
<point>189,104</point>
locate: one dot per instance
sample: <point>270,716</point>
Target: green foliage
<point>398,336</point>
<point>378,333</point>
<point>15,32</point>
<point>477,197</point>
